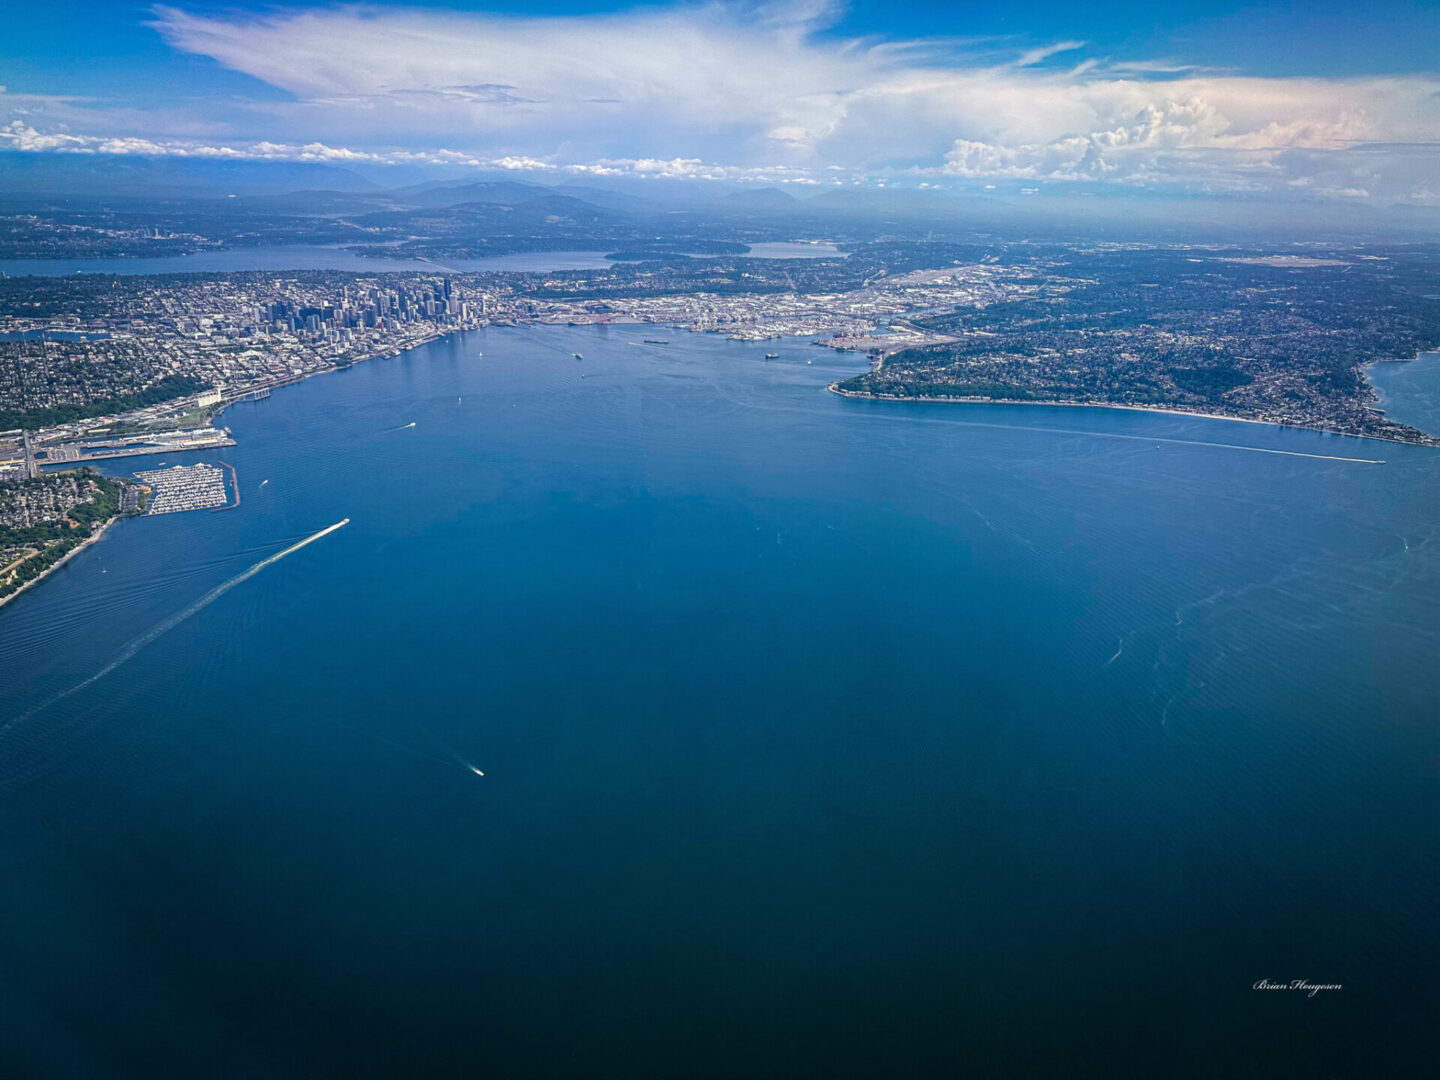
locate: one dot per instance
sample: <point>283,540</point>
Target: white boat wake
<point>129,651</point>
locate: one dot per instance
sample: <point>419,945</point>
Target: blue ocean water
<point>819,737</point>
<point>1409,390</point>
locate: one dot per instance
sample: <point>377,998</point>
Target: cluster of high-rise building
<point>371,307</point>
<point>111,343</point>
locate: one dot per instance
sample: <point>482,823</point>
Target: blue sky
<point>108,45</point>
<point>1324,100</point>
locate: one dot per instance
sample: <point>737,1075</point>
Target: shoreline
<point>92,538</point>
<point>392,351</point>
<point>235,482</point>
<point>1368,364</point>
<point>834,388</point>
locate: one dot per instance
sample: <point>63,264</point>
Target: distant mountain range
<point>101,175</point>
<point>299,189</point>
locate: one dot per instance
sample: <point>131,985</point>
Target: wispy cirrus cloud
<point>770,89</point>
<point>1031,57</point>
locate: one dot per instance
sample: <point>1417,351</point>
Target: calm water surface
<point>299,257</point>
<point>292,257</point>
<point>313,257</point>
<point>820,737</point>
<point>1410,390</point>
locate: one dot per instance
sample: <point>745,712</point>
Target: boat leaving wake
<point>129,651</point>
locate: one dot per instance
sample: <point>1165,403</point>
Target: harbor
<point>188,487</point>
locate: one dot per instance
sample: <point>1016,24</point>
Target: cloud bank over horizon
<point>764,92</point>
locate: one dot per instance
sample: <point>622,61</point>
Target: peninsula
<point>46,519</point>
<point>1274,340</point>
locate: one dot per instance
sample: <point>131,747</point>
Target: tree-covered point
<point>1246,334</point>
<point>36,565</point>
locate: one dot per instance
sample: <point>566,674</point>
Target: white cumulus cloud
<point>758,90</point>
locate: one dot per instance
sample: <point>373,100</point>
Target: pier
<point>137,445</point>
<point>234,486</point>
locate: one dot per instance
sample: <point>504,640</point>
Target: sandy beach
<point>834,388</point>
